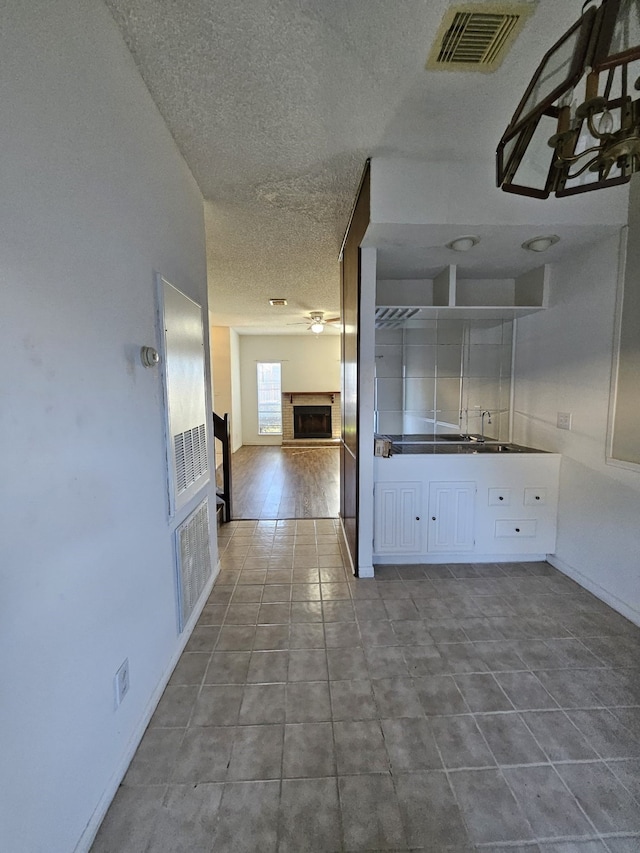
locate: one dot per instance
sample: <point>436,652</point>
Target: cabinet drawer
<point>516,528</point>
<point>535,497</point>
<point>499,497</point>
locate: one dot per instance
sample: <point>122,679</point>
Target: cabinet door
<point>397,518</point>
<point>451,516</point>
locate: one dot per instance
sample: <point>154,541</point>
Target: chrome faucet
<point>482,416</point>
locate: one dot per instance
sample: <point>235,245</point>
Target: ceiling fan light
<point>540,244</point>
<point>463,244</point>
<point>316,328</point>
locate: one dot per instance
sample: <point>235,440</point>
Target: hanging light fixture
<point>577,127</point>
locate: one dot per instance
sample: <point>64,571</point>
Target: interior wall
<point>563,363</point>
<point>309,363</point>
<point>221,377</point>
<point>236,391</point>
<point>466,193</point>
<point>95,199</point>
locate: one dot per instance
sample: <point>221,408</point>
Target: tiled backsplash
<point>441,376</point>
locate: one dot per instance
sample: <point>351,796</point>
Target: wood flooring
<point>273,482</point>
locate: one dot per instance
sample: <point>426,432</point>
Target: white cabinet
<point>472,507</point>
<point>451,517</point>
<point>398,521</point>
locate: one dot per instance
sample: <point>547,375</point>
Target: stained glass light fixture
<point>577,127</point>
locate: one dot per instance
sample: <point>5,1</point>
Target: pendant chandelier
<point>577,128</point>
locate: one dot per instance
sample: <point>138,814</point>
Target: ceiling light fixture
<point>577,127</point>
<point>317,322</point>
<point>463,244</point>
<point>540,244</point>
<point>277,302</point>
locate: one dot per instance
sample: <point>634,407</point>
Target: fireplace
<point>312,422</point>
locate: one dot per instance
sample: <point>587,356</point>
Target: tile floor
<point>448,708</point>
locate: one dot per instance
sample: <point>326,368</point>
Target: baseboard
<point>91,830</point>
<point>441,559</point>
<point>600,592</point>
<point>344,548</point>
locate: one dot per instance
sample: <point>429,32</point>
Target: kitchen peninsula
<point>463,500</point>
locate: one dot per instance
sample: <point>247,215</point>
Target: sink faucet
<point>482,417</point>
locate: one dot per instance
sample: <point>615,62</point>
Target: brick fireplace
<point>313,410</point>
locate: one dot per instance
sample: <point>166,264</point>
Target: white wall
<point>416,192</point>
<point>225,358</point>
<point>221,376</point>
<point>309,363</point>
<point>563,363</point>
<point>95,198</point>
<point>236,391</point>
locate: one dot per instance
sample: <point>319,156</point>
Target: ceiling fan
<point>316,322</point>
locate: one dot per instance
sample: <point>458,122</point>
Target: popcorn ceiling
<point>275,105</point>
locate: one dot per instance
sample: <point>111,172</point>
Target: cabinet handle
<point>433,518</point>
<point>537,497</point>
<point>417,518</point>
<point>501,498</point>
<point>517,530</point>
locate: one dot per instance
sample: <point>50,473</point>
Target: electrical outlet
<point>564,420</point>
<point>121,682</point>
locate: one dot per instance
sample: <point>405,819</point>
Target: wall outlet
<point>564,420</point>
<point>121,682</point>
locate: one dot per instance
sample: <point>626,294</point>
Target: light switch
<point>564,420</point>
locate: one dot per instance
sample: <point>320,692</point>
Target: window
<point>269,399</point>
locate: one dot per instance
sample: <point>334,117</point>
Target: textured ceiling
<point>275,105</point>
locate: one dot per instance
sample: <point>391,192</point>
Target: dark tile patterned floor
<point>449,709</point>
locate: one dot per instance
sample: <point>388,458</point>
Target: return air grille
<point>194,559</point>
<point>476,38</point>
<point>191,456</point>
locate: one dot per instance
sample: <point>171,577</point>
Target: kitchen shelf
<point>466,298</point>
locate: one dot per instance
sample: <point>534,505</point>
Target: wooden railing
<point>221,432</point>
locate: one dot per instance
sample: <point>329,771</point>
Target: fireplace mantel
<point>291,394</point>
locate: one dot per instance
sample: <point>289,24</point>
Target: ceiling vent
<point>477,37</point>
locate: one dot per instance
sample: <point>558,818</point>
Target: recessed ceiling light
<point>540,244</point>
<point>277,302</point>
<point>463,244</point>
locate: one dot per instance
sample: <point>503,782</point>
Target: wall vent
<point>193,559</point>
<point>190,456</point>
<point>477,37</point>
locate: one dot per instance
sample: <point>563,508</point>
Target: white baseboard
<point>440,559</point>
<point>91,830</point>
<point>600,592</point>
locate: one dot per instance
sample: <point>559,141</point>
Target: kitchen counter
<point>406,445</point>
<point>448,501</point>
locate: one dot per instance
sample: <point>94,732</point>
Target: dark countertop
<point>406,445</point>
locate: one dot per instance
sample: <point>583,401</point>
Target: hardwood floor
<point>272,482</point>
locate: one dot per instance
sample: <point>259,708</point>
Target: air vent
<point>191,456</point>
<point>193,559</point>
<point>393,318</point>
<point>277,303</point>
<point>477,37</point>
